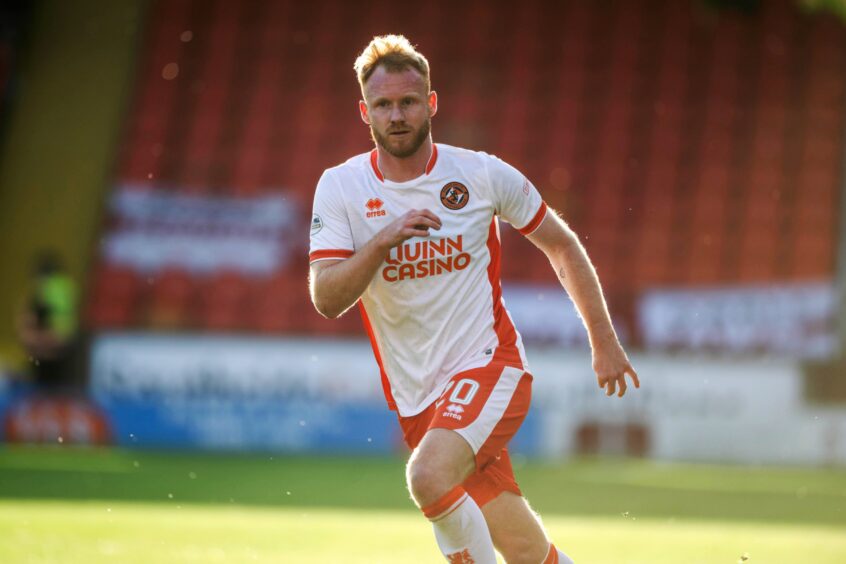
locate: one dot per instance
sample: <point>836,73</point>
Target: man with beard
<point>410,231</point>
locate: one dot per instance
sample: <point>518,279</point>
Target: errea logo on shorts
<point>374,207</point>
<point>454,411</point>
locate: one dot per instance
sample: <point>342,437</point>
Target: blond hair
<point>395,53</point>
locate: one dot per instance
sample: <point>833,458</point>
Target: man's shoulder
<point>469,159</point>
<point>353,165</point>
<point>462,154</point>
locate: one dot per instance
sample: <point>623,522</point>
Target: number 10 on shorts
<point>463,392</point>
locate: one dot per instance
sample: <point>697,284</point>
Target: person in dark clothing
<point>48,324</point>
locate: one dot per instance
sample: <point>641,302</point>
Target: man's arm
<point>578,276</point>
<point>335,285</point>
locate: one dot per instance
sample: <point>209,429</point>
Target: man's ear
<point>433,103</point>
<point>362,109</point>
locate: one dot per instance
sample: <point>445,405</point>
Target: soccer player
<point>410,231</point>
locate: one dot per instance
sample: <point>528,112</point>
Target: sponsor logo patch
<point>430,257</point>
<point>316,224</point>
<point>455,195</point>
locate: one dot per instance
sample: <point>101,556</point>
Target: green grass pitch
<point>92,505</point>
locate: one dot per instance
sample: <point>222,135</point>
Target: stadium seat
<point>172,300</point>
<point>224,304</point>
<point>113,297</point>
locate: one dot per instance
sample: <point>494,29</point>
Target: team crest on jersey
<point>455,195</point>
<point>316,224</point>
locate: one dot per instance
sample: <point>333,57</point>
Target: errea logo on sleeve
<point>374,207</point>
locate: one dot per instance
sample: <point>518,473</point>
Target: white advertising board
<point>688,408</point>
<point>796,320</point>
<point>152,229</point>
<point>693,408</point>
<point>139,364</point>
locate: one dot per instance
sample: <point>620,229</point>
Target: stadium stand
<point>697,148</point>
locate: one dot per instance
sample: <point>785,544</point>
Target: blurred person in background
<point>452,362</point>
<point>48,324</point>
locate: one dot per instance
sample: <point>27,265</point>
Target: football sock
<point>555,556</point>
<point>460,529</point>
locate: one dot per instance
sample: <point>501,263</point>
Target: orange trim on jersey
<point>374,162</point>
<point>536,220</point>
<point>552,555</point>
<point>438,508</point>
<point>330,254</point>
<point>432,159</point>
<point>386,385</point>
<point>506,352</point>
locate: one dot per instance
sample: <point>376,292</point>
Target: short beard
<point>416,143</point>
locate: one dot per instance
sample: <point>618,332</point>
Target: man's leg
<point>472,421</point>
<point>436,469</point>
<point>517,532</point>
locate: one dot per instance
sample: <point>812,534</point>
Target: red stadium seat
<point>172,300</point>
<point>113,298</point>
<point>224,302</point>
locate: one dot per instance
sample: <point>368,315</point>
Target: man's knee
<point>442,461</point>
<point>428,480</point>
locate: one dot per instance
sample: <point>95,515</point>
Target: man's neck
<point>404,169</point>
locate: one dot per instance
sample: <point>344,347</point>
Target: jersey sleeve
<point>516,199</point>
<point>331,235</point>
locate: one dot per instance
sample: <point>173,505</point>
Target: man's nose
<point>396,114</point>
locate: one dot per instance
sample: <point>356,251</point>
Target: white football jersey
<point>434,307</point>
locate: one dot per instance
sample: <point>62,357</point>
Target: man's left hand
<point>611,367</point>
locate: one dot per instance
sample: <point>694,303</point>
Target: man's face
<point>398,110</point>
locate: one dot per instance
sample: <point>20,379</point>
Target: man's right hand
<point>413,223</point>
<point>336,285</point>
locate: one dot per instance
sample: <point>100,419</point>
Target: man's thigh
<point>447,452</point>
<point>486,406</point>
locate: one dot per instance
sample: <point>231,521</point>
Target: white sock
<point>460,529</point>
<point>563,558</point>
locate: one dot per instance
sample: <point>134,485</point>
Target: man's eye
<point>382,105</point>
